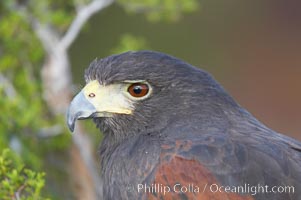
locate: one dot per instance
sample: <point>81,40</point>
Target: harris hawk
<point>172,132</point>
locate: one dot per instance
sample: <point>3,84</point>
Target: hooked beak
<point>97,100</point>
<point>80,108</point>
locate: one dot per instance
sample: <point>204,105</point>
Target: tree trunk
<point>57,84</point>
<point>57,91</point>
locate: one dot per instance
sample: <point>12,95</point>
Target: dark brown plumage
<point>187,132</point>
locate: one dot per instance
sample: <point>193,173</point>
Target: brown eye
<point>138,89</point>
<point>91,95</point>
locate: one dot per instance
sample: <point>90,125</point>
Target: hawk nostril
<point>91,95</point>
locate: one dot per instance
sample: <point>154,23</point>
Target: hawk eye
<point>138,89</point>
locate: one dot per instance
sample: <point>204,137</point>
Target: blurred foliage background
<point>251,47</point>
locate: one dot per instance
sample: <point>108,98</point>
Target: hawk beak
<point>97,100</point>
<point>80,108</point>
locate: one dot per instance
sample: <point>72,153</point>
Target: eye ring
<point>138,90</point>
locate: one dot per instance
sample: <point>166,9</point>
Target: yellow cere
<point>109,98</point>
<point>91,87</point>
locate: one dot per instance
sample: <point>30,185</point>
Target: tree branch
<point>51,131</point>
<point>48,37</point>
<point>81,18</point>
